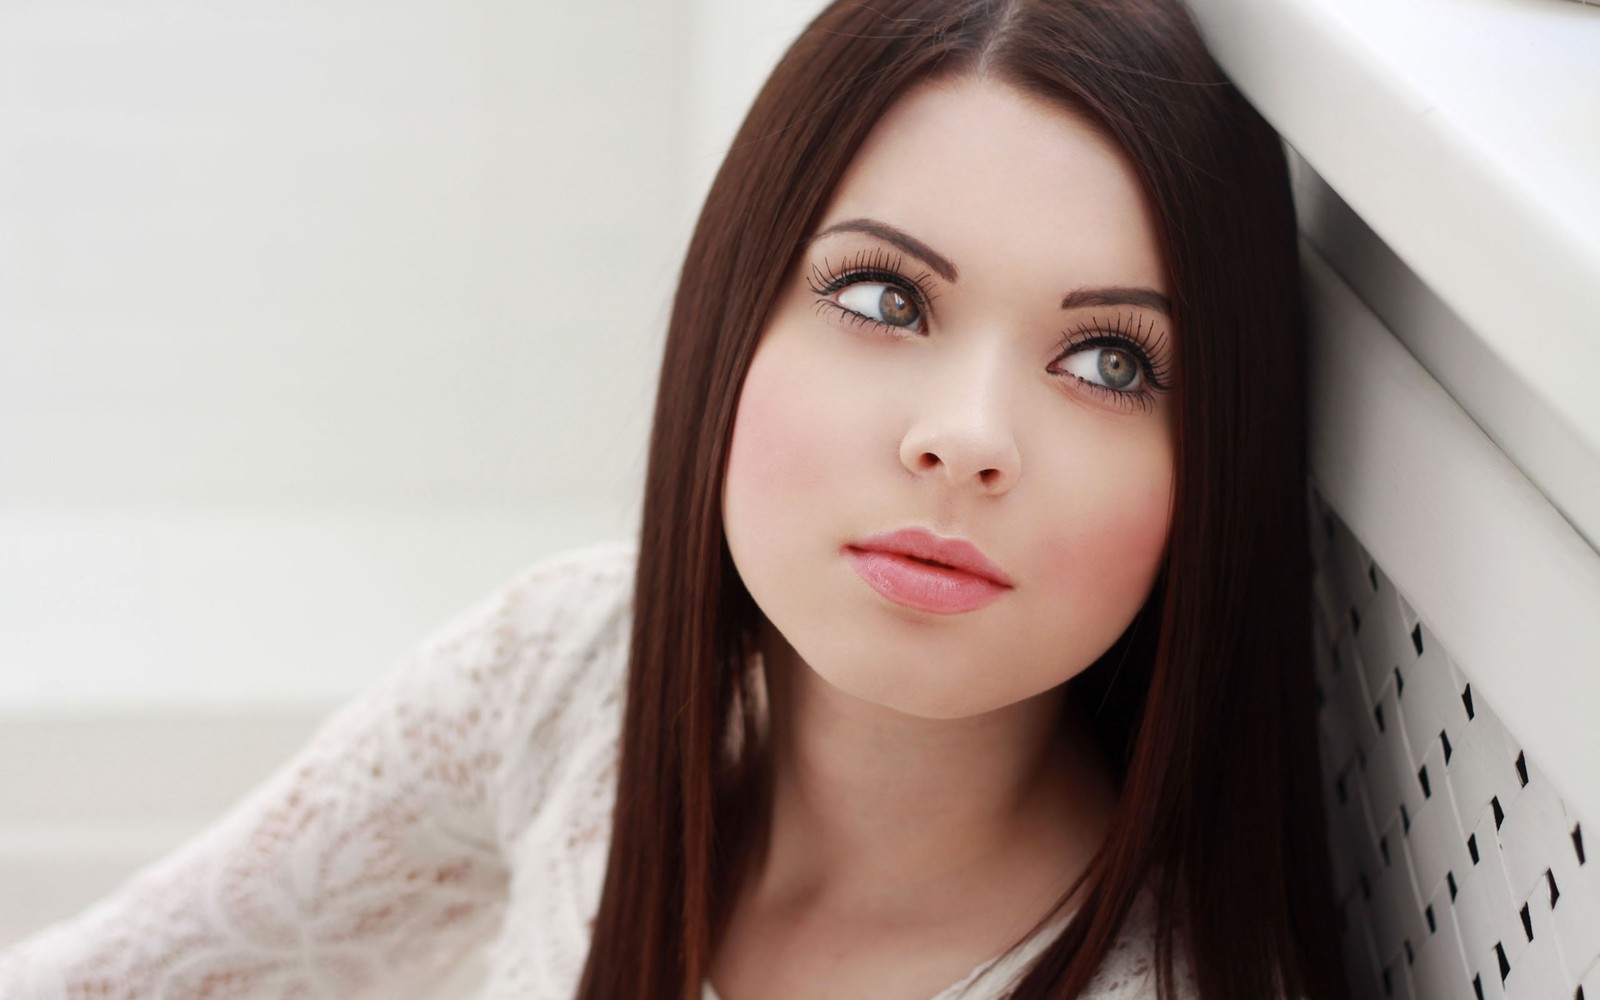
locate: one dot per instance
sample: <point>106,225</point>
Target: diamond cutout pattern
<point>1458,869</point>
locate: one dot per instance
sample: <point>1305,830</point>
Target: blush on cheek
<point>774,449</point>
<point>1109,556</point>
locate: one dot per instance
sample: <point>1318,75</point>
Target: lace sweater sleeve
<point>368,863</point>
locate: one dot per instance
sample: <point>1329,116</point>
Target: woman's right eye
<point>881,303</point>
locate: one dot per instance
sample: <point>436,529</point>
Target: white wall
<point>734,45</point>
<point>318,320</point>
<point>283,254</point>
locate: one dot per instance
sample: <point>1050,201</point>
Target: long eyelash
<point>871,265</point>
<point>1134,336</point>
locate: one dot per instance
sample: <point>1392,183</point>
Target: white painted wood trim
<point>1465,134</point>
<point>1515,414</point>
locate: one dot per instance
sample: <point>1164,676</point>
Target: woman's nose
<point>961,430</point>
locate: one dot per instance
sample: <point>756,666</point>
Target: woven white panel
<point>1459,871</point>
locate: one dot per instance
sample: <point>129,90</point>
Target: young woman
<point>965,649</point>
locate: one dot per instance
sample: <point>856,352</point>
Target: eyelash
<point>1133,337</point>
<point>869,265</point>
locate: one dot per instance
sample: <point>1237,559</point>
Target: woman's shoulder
<point>537,668</point>
<point>554,608</point>
<point>562,619</point>
<point>587,581</point>
<point>547,644</point>
<point>1128,971</point>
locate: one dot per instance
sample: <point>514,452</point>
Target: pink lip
<point>897,565</point>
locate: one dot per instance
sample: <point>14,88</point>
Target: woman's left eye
<point>882,303</point>
<point>1107,367</point>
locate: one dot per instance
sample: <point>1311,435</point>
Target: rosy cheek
<point>1108,547</point>
<point>775,442</point>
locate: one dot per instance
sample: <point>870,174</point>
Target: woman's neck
<point>877,811</point>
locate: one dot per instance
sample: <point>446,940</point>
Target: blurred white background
<point>317,321</point>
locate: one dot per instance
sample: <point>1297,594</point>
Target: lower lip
<point>918,585</point>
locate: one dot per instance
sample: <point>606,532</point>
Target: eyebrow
<point>1079,298</point>
<point>898,238</point>
<point>1117,296</point>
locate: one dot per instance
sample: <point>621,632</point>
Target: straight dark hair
<point>1205,704</point>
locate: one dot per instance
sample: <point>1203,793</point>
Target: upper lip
<point>924,544</point>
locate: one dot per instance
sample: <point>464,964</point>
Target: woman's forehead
<point>998,180</point>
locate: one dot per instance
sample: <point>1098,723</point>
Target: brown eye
<point>897,310</point>
<point>884,303</point>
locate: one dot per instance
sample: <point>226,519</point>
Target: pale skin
<point>928,805</point>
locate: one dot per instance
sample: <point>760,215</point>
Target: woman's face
<point>975,343</point>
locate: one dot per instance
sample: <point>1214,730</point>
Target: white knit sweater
<point>463,803</point>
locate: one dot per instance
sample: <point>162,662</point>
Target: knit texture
<point>462,804</point>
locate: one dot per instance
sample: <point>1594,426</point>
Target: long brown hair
<point>1205,704</point>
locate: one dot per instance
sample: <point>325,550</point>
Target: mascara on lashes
<point>1133,337</point>
<point>871,265</point>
